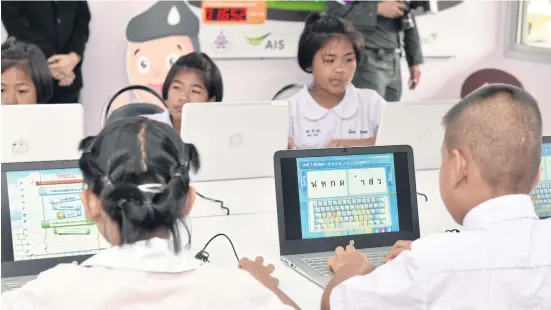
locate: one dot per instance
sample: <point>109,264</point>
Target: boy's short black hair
<point>320,29</point>
<point>501,126</point>
<point>30,58</point>
<point>202,62</point>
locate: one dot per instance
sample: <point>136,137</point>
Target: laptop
<point>334,197</point>
<point>43,223</point>
<point>41,132</point>
<point>541,195</point>
<point>236,140</point>
<point>418,125</point>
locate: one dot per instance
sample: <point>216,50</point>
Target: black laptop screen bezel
<point>304,246</point>
<point>11,268</point>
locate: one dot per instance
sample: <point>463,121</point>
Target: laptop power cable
<point>215,201</point>
<point>203,255</point>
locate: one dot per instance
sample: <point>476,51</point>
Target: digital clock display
<point>225,14</point>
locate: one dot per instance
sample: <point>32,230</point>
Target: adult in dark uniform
<point>386,34</point>
<point>156,39</point>
<point>60,29</point>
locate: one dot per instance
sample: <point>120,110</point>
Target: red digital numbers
<point>225,14</point>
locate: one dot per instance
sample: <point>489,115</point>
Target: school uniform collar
<point>153,255</point>
<point>500,209</point>
<point>347,108</point>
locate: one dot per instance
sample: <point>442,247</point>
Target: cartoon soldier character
<point>156,39</point>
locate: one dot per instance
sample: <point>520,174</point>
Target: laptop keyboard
<point>357,213</point>
<point>541,196</point>
<point>321,266</point>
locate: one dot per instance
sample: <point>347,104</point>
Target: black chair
<point>131,109</point>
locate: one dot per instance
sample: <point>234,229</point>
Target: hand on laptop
<point>350,261</point>
<point>399,246</point>
<point>260,272</point>
<point>291,144</point>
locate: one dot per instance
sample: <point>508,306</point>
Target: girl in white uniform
<point>192,78</point>
<point>136,173</point>
<point>330,111</point>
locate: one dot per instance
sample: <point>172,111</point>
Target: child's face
<point>334,65</point>
<point>17,87</point>
<point>187,86</point>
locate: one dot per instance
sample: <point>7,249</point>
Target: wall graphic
<point>167,30</point>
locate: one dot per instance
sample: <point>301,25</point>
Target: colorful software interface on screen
<point>541,195</point>
<point>347,195</point>
<point>47,218</point>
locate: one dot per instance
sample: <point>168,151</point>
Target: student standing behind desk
<point>26,78</point>
<point>330,111</point>
<point>137,176</point>
<point>60,29</point>
<point>502,259</point>
<point>192,78</point>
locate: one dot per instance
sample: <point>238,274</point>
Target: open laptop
<point>541,195</point>
<point>41,132</point>
<point>43,223</point>
<point>236,140</point>
<point>335,197</point>
<point>418,125</point>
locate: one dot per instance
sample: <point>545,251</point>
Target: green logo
<point>257,40</point>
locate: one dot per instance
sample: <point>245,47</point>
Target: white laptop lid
<point>418,125</point>
<point>41,132</point>
<point>236,140</point>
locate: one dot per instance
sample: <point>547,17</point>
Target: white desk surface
<point>255,196</point>
<point>252,235</point>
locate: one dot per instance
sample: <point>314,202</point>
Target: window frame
<point>516,30</point>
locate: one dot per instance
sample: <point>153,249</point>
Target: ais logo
<point>267,42</point>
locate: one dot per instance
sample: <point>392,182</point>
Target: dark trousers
<point>380,70</point>
<point>65,94</point>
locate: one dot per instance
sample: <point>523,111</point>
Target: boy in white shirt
<point>137,176</point>
<point>330,111</point>
<point>502,258</point>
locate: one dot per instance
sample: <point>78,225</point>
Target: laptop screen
<point>46,216</point>
<point>541,195</point>
<point>346,195</point>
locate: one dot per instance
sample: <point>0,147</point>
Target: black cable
<point>452,230</point>
<point>204,255</point>
<point>215,201</point>
<point>424,196</point>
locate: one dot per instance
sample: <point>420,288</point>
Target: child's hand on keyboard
<point>260,272</point>
<point>399,246</point>
<point>350,261</point>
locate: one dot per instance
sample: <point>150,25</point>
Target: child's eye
<point>328,61</point>
<point>350,60</point>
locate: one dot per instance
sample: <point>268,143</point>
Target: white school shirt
<point>357,116</point>
<point>146,275</point>
<point>501,260</point>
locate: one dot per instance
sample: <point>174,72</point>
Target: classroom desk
<point>255,196</point>
<point>252,235</point>
<point>240,196</point>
